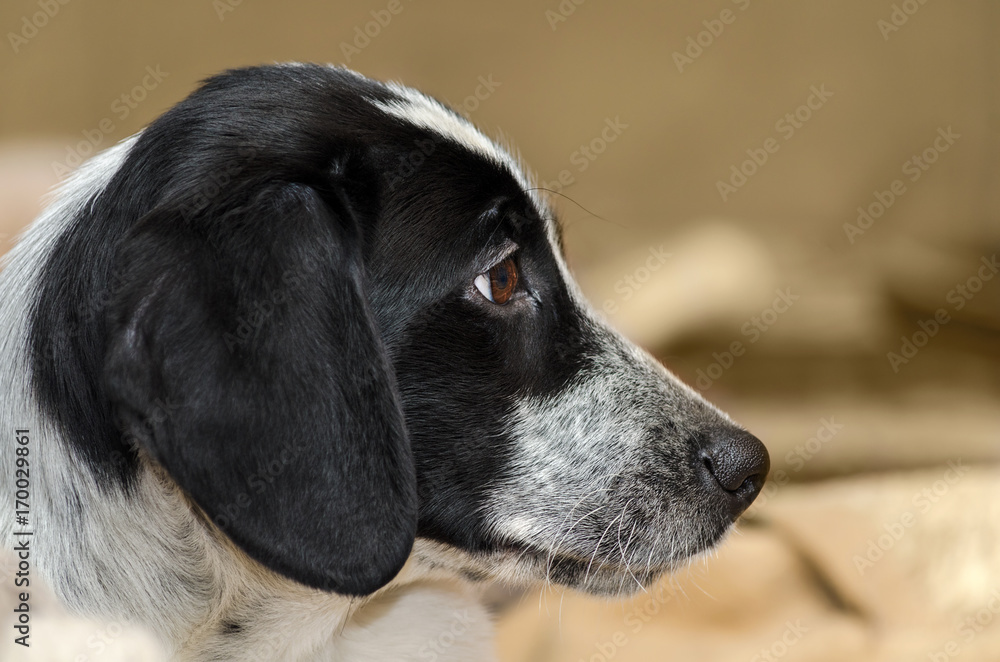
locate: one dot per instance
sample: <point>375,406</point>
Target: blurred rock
<point>713,275</point>
<point>961,280</point>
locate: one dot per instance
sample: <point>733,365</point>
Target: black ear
<point>243,357</point>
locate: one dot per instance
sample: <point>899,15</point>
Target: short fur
<point>273,418</point>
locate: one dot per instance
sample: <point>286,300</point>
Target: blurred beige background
<point>813,181</point>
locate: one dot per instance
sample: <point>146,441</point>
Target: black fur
<point>281,287</point>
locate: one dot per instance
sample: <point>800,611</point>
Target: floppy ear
<point>244,359</point>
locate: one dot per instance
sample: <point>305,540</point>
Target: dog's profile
<point>301,364</point>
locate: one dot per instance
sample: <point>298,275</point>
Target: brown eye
<point>499,283</point>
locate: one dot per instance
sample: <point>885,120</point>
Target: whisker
<point>628,567</point>
<point>563,195</point>
<point>565,534</point>
<point>597,548</point>
<point>619,538</point>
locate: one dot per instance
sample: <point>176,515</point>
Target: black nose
<point>736,463</point>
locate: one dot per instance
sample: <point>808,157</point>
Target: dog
<point>297,369</point>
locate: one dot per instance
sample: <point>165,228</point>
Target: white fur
<point>428,113</point>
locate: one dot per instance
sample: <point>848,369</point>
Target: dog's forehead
<point>429,114</point>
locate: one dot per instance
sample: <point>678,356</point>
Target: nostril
<point>751,485</point>
<point>737,461</point>
<point>707,461</point>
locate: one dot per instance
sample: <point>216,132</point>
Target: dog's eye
<point>498,283</point>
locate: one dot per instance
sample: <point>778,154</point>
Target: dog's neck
<point>420,615</point>
<point>426,612</point>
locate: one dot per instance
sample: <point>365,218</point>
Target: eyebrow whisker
<point>597,216</point>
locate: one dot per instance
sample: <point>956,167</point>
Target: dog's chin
<point>604,575</point>
<point>524,564</point>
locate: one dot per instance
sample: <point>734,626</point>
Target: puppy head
<point>373,300</point>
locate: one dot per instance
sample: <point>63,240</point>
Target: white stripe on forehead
<point>428,113</point>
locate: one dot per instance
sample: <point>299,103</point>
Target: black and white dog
<point>301,364</point>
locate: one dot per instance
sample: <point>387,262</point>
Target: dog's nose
<point>737,462</point>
